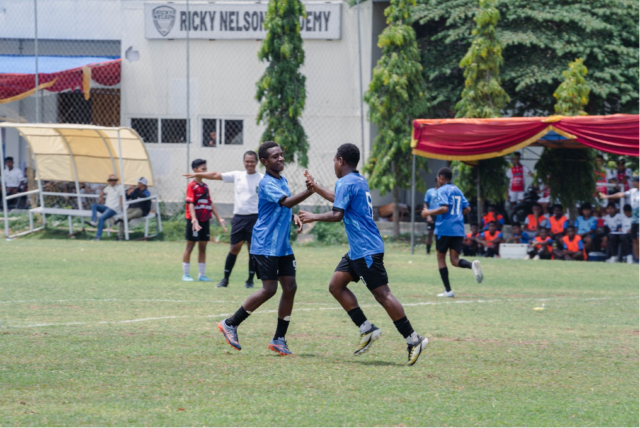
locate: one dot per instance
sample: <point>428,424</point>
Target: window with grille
<point>219,132</point>
<point>166,131</point>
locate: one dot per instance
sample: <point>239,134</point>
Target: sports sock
<point>444,274</point>
<point>281,329</point>
<point>365,327</point>
<point>428,248</point>
<point>252,270</point>
<point>412,339</point>
<point>228,265</point>
<point>404,328</point>
<point>357,316</point>
<point>186,268</point>
<point>240,315</point>
<point>464,264</point>
<point>201,268</point>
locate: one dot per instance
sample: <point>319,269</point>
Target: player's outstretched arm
<point>437,211</point>
<point>292,201</point>
<point>618,195</point>
<point>315,187</point>
<point>210,175</point>
<point>332,216</point>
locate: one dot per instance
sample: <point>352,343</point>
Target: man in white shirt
<point>516,180</point>
<point>13,178</point>
<point>633,196</point>
<point>245,210</point>
<point>111,197</point>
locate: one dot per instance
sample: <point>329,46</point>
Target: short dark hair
<point>250,152</point>
<point>611,204</point>
<point>350,153</point>
<point>263,151</point>
<point>8,158</point>
<point>516,224</point>
<point>626,207</point>
<point>571,227</point>
<point>445,172</point>
<point>198,162</point>
<point>586,206</point>
<point>543,228</point>
<point>537,205</point>
<point>493,223</point>
<point>517,154</point>
<point>599,156</point>
<point>557,206</point>
<point>492,206</point>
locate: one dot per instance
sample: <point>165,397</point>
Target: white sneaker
<point>630,259</point>
<point>446,294</point>
<point>612,259</point>
<point>537,257</point>
<point>93,223</point>
<point>527,257</point>
<point>477,271</point>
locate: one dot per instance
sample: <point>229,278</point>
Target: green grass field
<point>105,333</point>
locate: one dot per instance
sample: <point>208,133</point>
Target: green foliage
<point>493,180</point>
<point>482,95</point>
<point>281,89</point>
<point>573,94</point>
<point>557,167</point>
<point>330,233</point>
<point>539,38</point>
<point>395,97</point>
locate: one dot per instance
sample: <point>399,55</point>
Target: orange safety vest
<point>533,221</point>
<point>489,217</point>
<point>557,225</point>
<point>470,236</point>
<point>540,241</point>
<point>574,246</point>
<point>488,237</point>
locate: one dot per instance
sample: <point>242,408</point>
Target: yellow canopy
<point>85,153</point>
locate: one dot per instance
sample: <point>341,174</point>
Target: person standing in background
<point>516,180</point>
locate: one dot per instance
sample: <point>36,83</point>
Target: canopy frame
<point>122,173</point>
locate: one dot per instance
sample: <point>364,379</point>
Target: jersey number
<point>456,205</point>
<point>370,203</point>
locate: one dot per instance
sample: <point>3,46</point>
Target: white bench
<point>85,213</point>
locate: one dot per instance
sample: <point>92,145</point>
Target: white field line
<point>447,302</point>
<point>8,302</point>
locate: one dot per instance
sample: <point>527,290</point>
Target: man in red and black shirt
<point>516,180</point>
<point>199,211</point>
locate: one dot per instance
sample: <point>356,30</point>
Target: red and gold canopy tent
<point>477,139</point>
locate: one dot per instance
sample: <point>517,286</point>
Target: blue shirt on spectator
<point>272,232</point>
<point>524,238</point>
<point>586,225</point>
<point>353,198</point>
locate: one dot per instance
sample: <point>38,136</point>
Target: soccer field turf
<point>105,333</point>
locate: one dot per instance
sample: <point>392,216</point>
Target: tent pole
<point>360,80</point>
<point>478,197</point>
<point>5,210</point>
<point>413,202</point>
<point>188,92</point>
<point>35,24</point>
<point>124,192</point>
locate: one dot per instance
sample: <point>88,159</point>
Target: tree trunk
<point>396,212</point>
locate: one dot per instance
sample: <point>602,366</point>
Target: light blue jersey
<point>353,198</point>
<point>451,223</point>
<point>430,196</point>
<point>583,225</point>
<point>272,232</point>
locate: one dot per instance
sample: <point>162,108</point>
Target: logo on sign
<point>164,17</point>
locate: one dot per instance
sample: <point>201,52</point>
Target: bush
<point>330,233</point>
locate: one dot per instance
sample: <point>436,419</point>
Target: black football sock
<point>252,269</point>
<point>240,315</point>
<point>444,274</point>
<point>428,248</point>
<point>404,327</point>
<point>281,329</point>
<point>464,264</point>
<point>357,316</point>
<point>228,265</point>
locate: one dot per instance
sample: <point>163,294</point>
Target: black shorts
<point>242,227</point>
<point>369,269</point>
<point>272,267</point>
<point>634,230</point>
<point>445,243</point>
<point>431,225</point>
<point>201,235</point>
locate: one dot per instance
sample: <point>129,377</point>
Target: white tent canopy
<point>85,153</point>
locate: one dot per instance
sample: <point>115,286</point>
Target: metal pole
<point>413,202</point>
<point>124,192</point>
<point>5,210</point>
<point>188,92</point>
<point>360,78</point>
<point>35,14</point>
<point>478,202</point>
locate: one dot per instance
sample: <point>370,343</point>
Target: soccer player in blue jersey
<point>452,206</point>
<point>429,202</point>
<point>271,250</point>
<point>364,261</point>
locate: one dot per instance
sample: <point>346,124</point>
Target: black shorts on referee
<point>445,243</point>
<point>242,227</point>
<point>369,269</point>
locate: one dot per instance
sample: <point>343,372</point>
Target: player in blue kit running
<point>452,206</point>
<point>271,250</point>
<point>430,203</point>
<point>364,261</point>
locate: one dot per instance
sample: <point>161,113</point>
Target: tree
<point>395,97</point>
<point>557,167</point>
<point>539,39</point>
<point>281,89</point>
<point>483,97</point>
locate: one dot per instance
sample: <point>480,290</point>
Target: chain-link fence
<point>153,65</point>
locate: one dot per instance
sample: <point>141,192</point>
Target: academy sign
<point>233,21</point>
